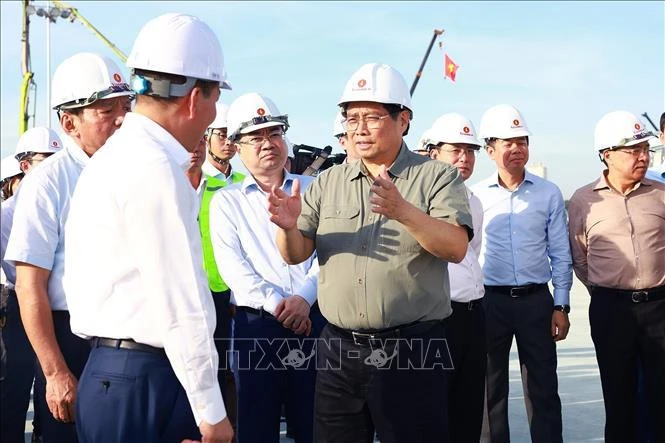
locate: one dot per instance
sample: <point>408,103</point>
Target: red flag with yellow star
<point>450,68</point>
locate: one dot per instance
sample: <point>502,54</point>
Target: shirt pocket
<point>339,218</point>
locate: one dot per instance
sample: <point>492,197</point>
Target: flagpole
<point>437,32</point>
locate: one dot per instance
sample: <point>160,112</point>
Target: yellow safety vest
<point>212,185</point>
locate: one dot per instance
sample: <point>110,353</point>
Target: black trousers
<point>20,372</point>
<point>528,318</point>
<point>465,331</point>
<point>622,333</point>
<point>398,389</point>
<point>75,350</point>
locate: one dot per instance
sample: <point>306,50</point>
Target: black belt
<point>517,291</point>
<point>466,306</point>
<point>125,343</point>
<point>635,296</point>
<point>374,337</point>
<point>260,312</point>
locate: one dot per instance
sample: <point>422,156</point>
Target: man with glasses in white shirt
<point>274,302</point>
<point>452,139</point>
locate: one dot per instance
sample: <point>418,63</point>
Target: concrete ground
<point>579,383</point>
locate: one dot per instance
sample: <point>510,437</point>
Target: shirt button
<point>338,212</point>
<point>363,247</point>
<point>362,315</point>
<point>360,281</point>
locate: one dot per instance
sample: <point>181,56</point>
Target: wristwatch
<point>562,308</point>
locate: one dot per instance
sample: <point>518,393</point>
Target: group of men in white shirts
<point>114,254</point>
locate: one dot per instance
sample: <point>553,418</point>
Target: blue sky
<point>563,64</point>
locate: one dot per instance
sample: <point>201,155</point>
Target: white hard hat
<point>338,127</point>
<point>503,121</point>
<point>85,78</point>
<point>41,140</point>
<point>425,141</point>
<point>453,128</point>
<point>618,129</point>
<point>9,167</point>
<point>251,112</point>
<point>220,120</point>
<point>377,83</point>
<point>178,44</point>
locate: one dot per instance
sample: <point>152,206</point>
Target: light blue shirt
<point>42,206</point>
<point>657,173</point>
<point>243,240</point>
<point>525,235</point>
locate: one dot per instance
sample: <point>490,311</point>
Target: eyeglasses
<point>258,140</point>
<point>220,134</point>
<point>459,152</point>
<point>636,152</point>
<point>372,121</point>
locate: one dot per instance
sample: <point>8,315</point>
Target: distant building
<point>538,169</point>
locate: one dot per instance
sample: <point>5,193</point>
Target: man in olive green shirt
<point>384,229</point>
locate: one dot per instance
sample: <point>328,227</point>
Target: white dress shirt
<point>42,207</point>
<point>243,240</point>
<point>466,278</point>
<point>134,264</point>
<point>6,218</point>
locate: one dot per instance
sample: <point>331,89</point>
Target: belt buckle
<point>360,335</point>
<point>515,292</point>
<point>639,296</point>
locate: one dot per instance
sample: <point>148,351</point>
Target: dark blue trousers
<point>19,375</point>
<point>273,366</point>
<point>132,396</point>
<point>75,350</point>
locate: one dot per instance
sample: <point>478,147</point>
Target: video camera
<point>310,160</point>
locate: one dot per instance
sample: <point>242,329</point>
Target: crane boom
<point>437,32</point>
<point>77,15</point>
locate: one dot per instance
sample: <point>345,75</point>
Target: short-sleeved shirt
<point>42,207</point>
<point>618,241</point>
<point>373,273</point>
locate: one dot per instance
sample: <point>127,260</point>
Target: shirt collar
<point>139,123</point>
<point>493,179</point>
<point>601,183</point>
<point>75,151</point>
<point>210,170</point>
<point>397,169</point>
<point>249,183</point>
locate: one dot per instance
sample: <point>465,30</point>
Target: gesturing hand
<point>386,199</point>
<point>284,209</point>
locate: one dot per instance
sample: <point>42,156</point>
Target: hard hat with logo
<point>453,128</point>
<point>338,127</point>
<point>39,140</point>
<point>377,83</point>
<point>177,44</point>
<point>220,120</point>
<point>85,78</point>
<point>251,112</point>
<point>619,129</point>
<point>504,122</point>
<point>9,168</point>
